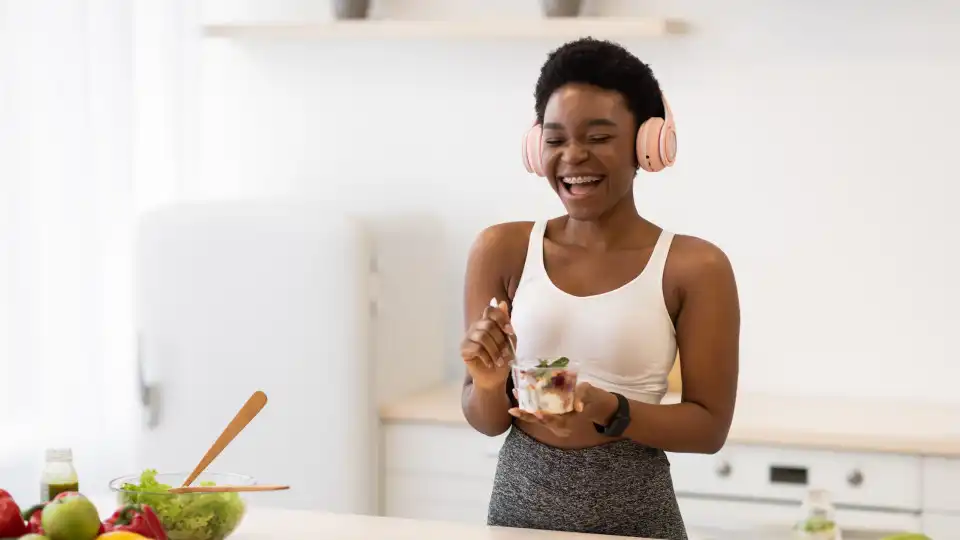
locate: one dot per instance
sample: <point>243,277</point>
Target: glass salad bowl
<point>186,516</point>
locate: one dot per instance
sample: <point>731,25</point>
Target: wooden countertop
<point>808,422</point>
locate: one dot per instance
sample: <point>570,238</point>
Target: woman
<point>611,290</point>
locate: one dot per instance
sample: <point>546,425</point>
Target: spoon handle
<point>226,489</point>
<point>494,303</point>
<point>249,410</point>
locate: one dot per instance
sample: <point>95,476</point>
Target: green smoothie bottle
<point>58,474</point>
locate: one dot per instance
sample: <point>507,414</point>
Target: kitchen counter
<point>262,524</point>
<point>869,425</point>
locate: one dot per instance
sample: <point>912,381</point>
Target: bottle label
<point>49,491</point>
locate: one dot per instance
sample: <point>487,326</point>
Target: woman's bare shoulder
<point>692,253</point>
<point>693,266</point>
<point>503,240</point>
<point>502,249</point>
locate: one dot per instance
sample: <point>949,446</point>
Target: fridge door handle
<point>149,390</point>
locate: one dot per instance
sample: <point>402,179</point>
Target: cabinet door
<point>746,516</point>
<point>940,479</point>
<point>438,472</point>
<point>715,514</point>
<point>941,526</point>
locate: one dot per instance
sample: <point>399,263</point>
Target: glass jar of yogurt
<point>545,385</point>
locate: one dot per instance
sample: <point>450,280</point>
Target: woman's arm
<point>708,336</point>
<point>485,409</point>
<point>485,405</point>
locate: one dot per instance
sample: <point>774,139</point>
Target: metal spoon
<point>494,303</point>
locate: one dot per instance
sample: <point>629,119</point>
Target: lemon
<point>121,535</point>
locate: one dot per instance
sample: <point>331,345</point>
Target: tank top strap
<point>658,259</point>
<point>533,265</point>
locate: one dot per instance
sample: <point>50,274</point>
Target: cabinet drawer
<point>436,449</point>
<point>437,497</point>
<point>750,518</point>
<point>783,474</point>
<point>941,476</point>
<point>941,526</point>
<point>438,511</point>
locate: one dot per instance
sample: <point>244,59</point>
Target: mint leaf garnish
<point>563,361</point>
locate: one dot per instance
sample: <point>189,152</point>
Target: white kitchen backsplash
<point>787,161</point>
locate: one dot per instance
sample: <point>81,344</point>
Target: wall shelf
<point>562,28</point>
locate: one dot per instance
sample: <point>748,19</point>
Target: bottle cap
<point>59,454</point>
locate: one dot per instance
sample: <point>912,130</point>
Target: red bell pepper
<point>33,517</point>
<point>11,522</point>
<point>136,518</point>
<point>4,494</point>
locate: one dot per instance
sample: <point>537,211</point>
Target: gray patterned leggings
<point>619,488</point>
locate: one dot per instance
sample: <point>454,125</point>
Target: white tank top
<point>623,340</point>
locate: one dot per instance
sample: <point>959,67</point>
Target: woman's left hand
<point>589,404</point>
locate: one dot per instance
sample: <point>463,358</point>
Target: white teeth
<point>581,179</point>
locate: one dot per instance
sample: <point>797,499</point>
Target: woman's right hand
<point>485,348</point>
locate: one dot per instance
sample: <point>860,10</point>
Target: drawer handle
<point>855,478</point>
<point>793,476</point>
<point>724,469</point>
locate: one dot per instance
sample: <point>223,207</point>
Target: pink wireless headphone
<point>656,144</point>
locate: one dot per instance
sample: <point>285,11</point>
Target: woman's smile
<point>580,186</point>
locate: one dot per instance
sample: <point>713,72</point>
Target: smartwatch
<point>619,421</point>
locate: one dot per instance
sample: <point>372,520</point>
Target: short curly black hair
<point>605,65</point>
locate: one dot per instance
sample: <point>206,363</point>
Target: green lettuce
<point>188,516</point>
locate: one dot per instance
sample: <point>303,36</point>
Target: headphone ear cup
<point>648,145</point>
<point>525,152</point>
<point>668,144</point>
<point>531,150</point>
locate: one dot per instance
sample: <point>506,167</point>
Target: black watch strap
<point>619,421</point>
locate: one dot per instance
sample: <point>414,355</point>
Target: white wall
<point>816,147</point>
<point>66,331</point>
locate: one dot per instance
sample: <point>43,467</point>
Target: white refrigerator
<point>234,297</point>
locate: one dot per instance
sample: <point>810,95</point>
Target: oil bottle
<point>58,474</point>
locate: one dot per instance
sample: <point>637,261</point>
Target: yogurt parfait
<point>545,385</point>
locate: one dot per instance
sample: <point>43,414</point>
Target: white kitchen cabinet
<point>941,481</point>
<point>445,472</point>
<point>941,526</point>
<point>733,515</point>
<point>438,472</point>
<point>941,478</point>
